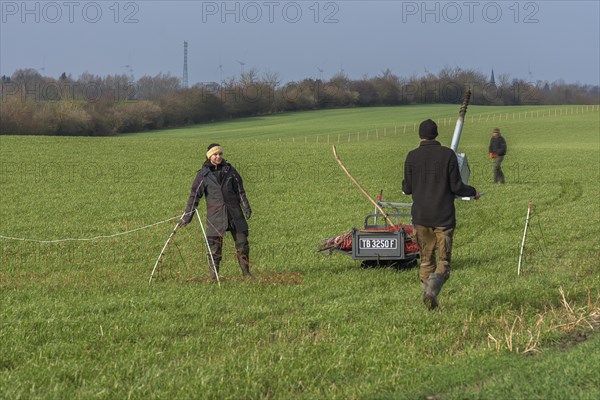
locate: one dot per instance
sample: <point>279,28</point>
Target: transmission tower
<point>185,68</point>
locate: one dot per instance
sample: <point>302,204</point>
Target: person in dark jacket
<point>497,153</point>
<point>227,207</point>
<point>432,177</point>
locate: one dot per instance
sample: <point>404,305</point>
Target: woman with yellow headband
<point>226,207</point>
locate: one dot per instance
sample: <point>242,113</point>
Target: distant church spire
<point>492,80</point>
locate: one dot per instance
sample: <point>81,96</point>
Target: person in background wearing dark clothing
<point>226,206</point>
<point>497,153</point>
<point>432,177</point>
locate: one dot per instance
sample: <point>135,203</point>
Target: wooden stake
<point>363,191</point>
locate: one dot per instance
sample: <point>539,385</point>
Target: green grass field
<point>80,321</point>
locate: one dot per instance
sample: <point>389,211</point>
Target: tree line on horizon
<point>32,104</point>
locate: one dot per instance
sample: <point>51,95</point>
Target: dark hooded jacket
<point>432,176</point>
<point>226,201</point>
<point>498,146</point>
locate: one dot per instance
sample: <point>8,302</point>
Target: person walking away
<point>497,153</point>
<point>432,177</point>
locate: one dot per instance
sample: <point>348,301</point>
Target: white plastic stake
<point>524,235</point>
<point>164,247</point>
<point>211,262</point>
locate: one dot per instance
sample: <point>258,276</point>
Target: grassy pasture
<point>79,320</point>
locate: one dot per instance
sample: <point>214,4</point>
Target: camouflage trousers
<point>431,239</point>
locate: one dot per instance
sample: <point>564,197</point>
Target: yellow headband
<point>213,151</point>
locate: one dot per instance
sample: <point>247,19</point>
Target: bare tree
<point>152,87</point>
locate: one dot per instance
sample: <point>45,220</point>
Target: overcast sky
<point>532,40</point>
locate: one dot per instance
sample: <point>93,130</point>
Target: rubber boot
<point>433,288</point>
<point>244,264</point>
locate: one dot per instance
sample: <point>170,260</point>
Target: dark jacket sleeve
<point>195,196</point>
<point>407,181</point>
<point>244,203</point>
<point>457,186</point>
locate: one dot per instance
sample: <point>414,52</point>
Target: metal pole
<point>164,248</point>
<point>523,241</point>
<point>460,121</point>
<point>211,261</point>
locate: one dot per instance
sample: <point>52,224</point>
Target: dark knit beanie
<point>428,130</point>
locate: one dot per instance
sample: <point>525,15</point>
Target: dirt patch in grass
<point>576,337</point>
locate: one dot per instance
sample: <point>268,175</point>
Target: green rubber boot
<point>244,265</point>
<point>432,290</point>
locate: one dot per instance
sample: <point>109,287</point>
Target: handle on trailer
<point>378,202</point>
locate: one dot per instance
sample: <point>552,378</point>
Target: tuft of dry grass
<point>521,334</point>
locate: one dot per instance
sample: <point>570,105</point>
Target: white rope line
<point>89,239</point>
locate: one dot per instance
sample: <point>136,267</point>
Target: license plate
<point>378,243</point>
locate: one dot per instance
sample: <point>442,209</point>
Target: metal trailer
<point>376,246</point>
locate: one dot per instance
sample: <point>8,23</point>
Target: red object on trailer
<point>343,242</point>
<point>378,245</point>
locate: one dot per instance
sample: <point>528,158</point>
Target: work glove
<point>186,219</point>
